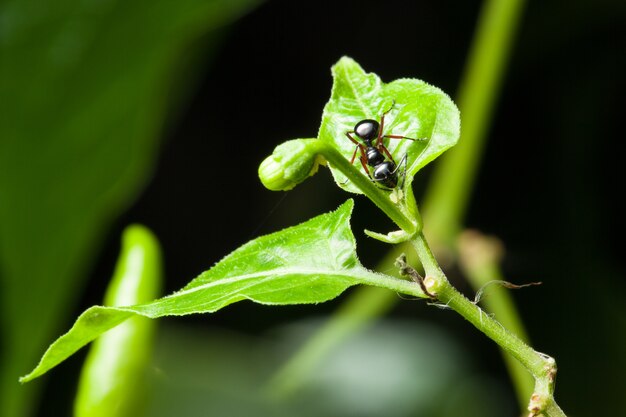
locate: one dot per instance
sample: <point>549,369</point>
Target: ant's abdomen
<point>385,174</point>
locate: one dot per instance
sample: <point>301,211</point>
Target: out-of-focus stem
<point>451,186</point>
<point>479,258</point>
<point>540,366</point>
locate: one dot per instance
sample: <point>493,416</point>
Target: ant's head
<point>367,130</point>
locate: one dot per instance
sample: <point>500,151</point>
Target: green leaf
<point>309,263</point>
<point>421,111</point>
<point>85,89</point>
<point>112,381</point>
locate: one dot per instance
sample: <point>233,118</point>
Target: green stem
<point>405,220</point>
<point>552,409</point>
<point>452,183</point>
<point>479,259</point>
<point>540,366</point>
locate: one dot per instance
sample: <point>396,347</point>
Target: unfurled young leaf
<point>416,110</point>
<point>309,263</point>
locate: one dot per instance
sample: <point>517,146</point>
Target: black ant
<point>375,154</point>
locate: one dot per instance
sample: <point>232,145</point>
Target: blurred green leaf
<point>393,368</point>
<point>84,90</point>
<point>309,263</point>
<point>112,381</point>
<point>421,111</point>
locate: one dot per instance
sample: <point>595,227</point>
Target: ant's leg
<point>364,163</point>
<point>384,149</point>
<point>381,129</point>
<point>402,162</point>
<point>352,162</point>
<point>363,160</point>
<point>354,155</point>
<point>349,135</point>
<point>402,137</point>
<point>359,146</point>
<point>379,140</point>
<point>393,104</point>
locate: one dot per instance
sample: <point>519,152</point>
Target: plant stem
<point>479,259</point>
<point>553,409</point>
<point>540,366</point>
<point>379,197</point>
<point>452,183</point>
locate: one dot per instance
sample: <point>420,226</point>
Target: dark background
<point>550,186</point>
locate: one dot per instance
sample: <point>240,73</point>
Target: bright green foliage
<point>413,109</point>
<point>421,111</point>
<point>85,88</point>
<point>309,263</point>
<point>113,377</point>
<point>315,261</point>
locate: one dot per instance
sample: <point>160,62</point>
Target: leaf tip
<point>346,207</point>
<point>29,377</point>
<point>346,63</point>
